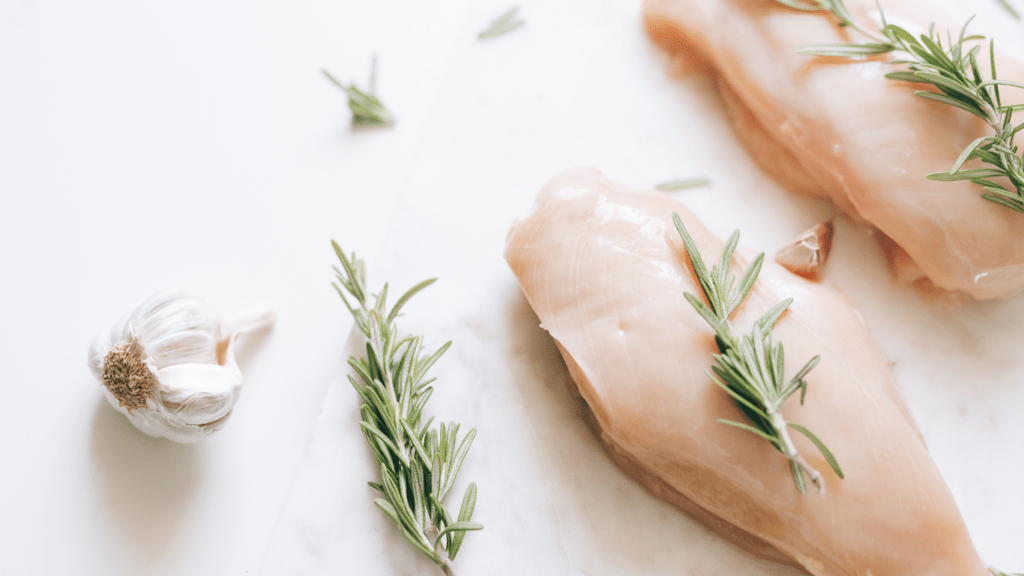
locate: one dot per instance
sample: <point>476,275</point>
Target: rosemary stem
<point>790,450</point>
<point>845,19</point>
<point>731,340</point>
<point>378,349</point>
<point>442,555</point>
<point>871,35</point>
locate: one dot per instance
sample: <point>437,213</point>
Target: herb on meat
<point>418,465</point>
<point>750,368</point>
<point>954,71</point>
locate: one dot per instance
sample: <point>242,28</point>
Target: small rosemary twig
<point>418,465</point>
<point>366,109</point>
<point>751,368</point>
<point>955,73</point>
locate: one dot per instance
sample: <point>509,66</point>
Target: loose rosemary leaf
<point>683,183</point>
<point>503,24</point>
<point>1009,8</point>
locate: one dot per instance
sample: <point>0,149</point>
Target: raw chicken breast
<point>837,128</point>
<point>605,271</point>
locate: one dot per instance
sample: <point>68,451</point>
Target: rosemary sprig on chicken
<point>750,368</point>
<point>952,69</point>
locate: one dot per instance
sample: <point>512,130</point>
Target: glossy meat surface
<point>837,128</point>
<point>605,271</point>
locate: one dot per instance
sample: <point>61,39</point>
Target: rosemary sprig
<point>683,184</point>
<point>954,71</point>
<point>418,464</point>
<point>835,7</point>
<point>503,24</point>
<point>750,368</point>
<point>366,109</point>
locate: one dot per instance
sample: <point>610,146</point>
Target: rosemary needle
<point>682,184</point>
<point>1009,8</point>
<point>750,368</point>
<point>418,464</point>
<point>503,24</point>
<point>366,108</point>
<point>953,70</point>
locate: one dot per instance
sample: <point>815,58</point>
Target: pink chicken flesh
<point>605,271</point>
<point>836,128</point>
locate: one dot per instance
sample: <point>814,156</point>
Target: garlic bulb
<point>170,367</point>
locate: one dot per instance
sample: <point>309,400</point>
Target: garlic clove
<point>198,393</point>
<point>169,369</point>
<point>161,424</point>
<point>177,329</point>
<point>806,255</point>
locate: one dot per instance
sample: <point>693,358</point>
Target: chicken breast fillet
<point>837,128</point>
<point>605,271</point>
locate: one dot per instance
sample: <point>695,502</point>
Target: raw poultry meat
<point>836,128</point>
<point>605,271</point>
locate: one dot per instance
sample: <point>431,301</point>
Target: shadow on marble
<point>148,483</point>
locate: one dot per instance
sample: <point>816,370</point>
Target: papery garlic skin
<point>185,347</point>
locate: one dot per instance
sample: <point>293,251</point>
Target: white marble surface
<point>581,84</point>
<point>195,145</point>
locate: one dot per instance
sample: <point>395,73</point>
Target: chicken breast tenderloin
<point>605,271</point>
<point>837,128</point>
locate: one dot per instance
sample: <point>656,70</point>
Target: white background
<point>196,145</point>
